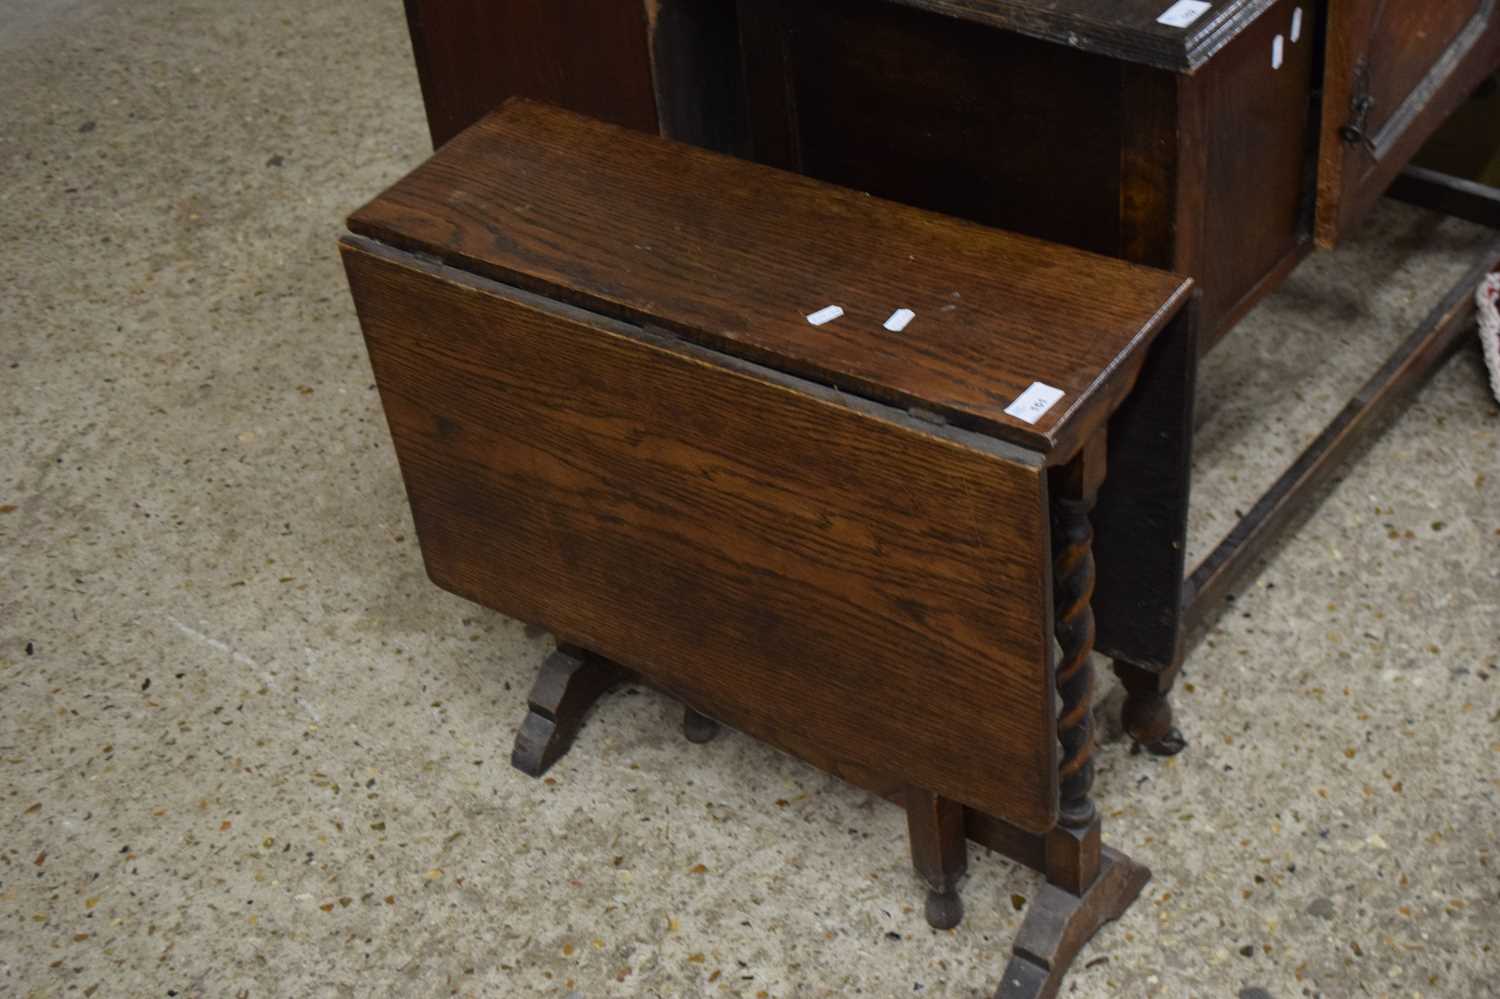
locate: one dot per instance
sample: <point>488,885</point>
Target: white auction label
<point>1183,13</point>
<point>826,315</point>
<point>899,320</point>
<point>1033,404</point>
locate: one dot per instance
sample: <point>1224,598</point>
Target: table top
<point>1124,29</point>
<point>736,256</point>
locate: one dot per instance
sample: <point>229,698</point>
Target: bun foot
<point>945,909</point>
<point>698,728</point>
<point>1169,745</point>
<point>1147,716</point>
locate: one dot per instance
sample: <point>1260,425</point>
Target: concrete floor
<point>246,749</point>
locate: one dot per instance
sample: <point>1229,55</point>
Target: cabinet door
<point>1395,69</point>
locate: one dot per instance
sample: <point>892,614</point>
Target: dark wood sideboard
<point>1213,148</point>
<point>1226,150</point>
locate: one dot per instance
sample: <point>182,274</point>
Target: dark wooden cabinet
<point>1210,146</point>
<point>1203,148</point>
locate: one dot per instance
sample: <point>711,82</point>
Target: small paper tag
<point>827,315</point>
<point>1183,13</point>
<point>899,320</point>
<point>1033,404</point>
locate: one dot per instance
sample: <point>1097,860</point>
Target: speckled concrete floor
<point>247,750</point>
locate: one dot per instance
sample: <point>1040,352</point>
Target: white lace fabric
<point>1488,298</point>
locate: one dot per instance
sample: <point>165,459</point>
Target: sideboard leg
<point>1147,715</point>
<point>1087,884</point>
<point>939,852</point>
<point>570,681</point>
<point>697,727</point>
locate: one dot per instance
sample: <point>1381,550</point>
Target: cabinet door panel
<point>1394,71</point>
<point>1407,45</point>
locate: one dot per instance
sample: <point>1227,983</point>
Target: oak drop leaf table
<point>659,401</point>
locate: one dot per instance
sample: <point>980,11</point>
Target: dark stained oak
<point>1077,121</point>
<point>1122,29</point>
<point>810,572</point>
<point>939,852</point>
<point>1140,522</point>
<point>679,237</point>
<point>695,50</point>
<point>473,54</point>
<point>1257,125</point>
<point>1394,72</point>
<point>652,65</point>
<point>1208,173</point>
<point>592,353</point>
<point>1407,43</point>
<point>880,98</point>
<point>569,683</point>
<point>1147,715</point>
<point>1059,922</point>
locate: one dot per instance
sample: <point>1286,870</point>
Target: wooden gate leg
<point>939,852</point>
<point>570,681</point>
<point>1087,885</point>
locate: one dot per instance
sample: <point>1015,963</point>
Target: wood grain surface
<point>736,255</point>
<point>1407,43</point>
<point>828,575</point>
<point>1259,133</point>
<point>1121,29</point>
<point>590,55</point>
<point>1208,175</point>
<point>1414,63</point>
<point>904,104</point>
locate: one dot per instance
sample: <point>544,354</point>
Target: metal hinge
<point>1361,104</point>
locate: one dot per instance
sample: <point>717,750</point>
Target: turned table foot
<point>945,909</point>
<point>939,852</point>
<point>1147,715</point>
<point>697,727</point>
